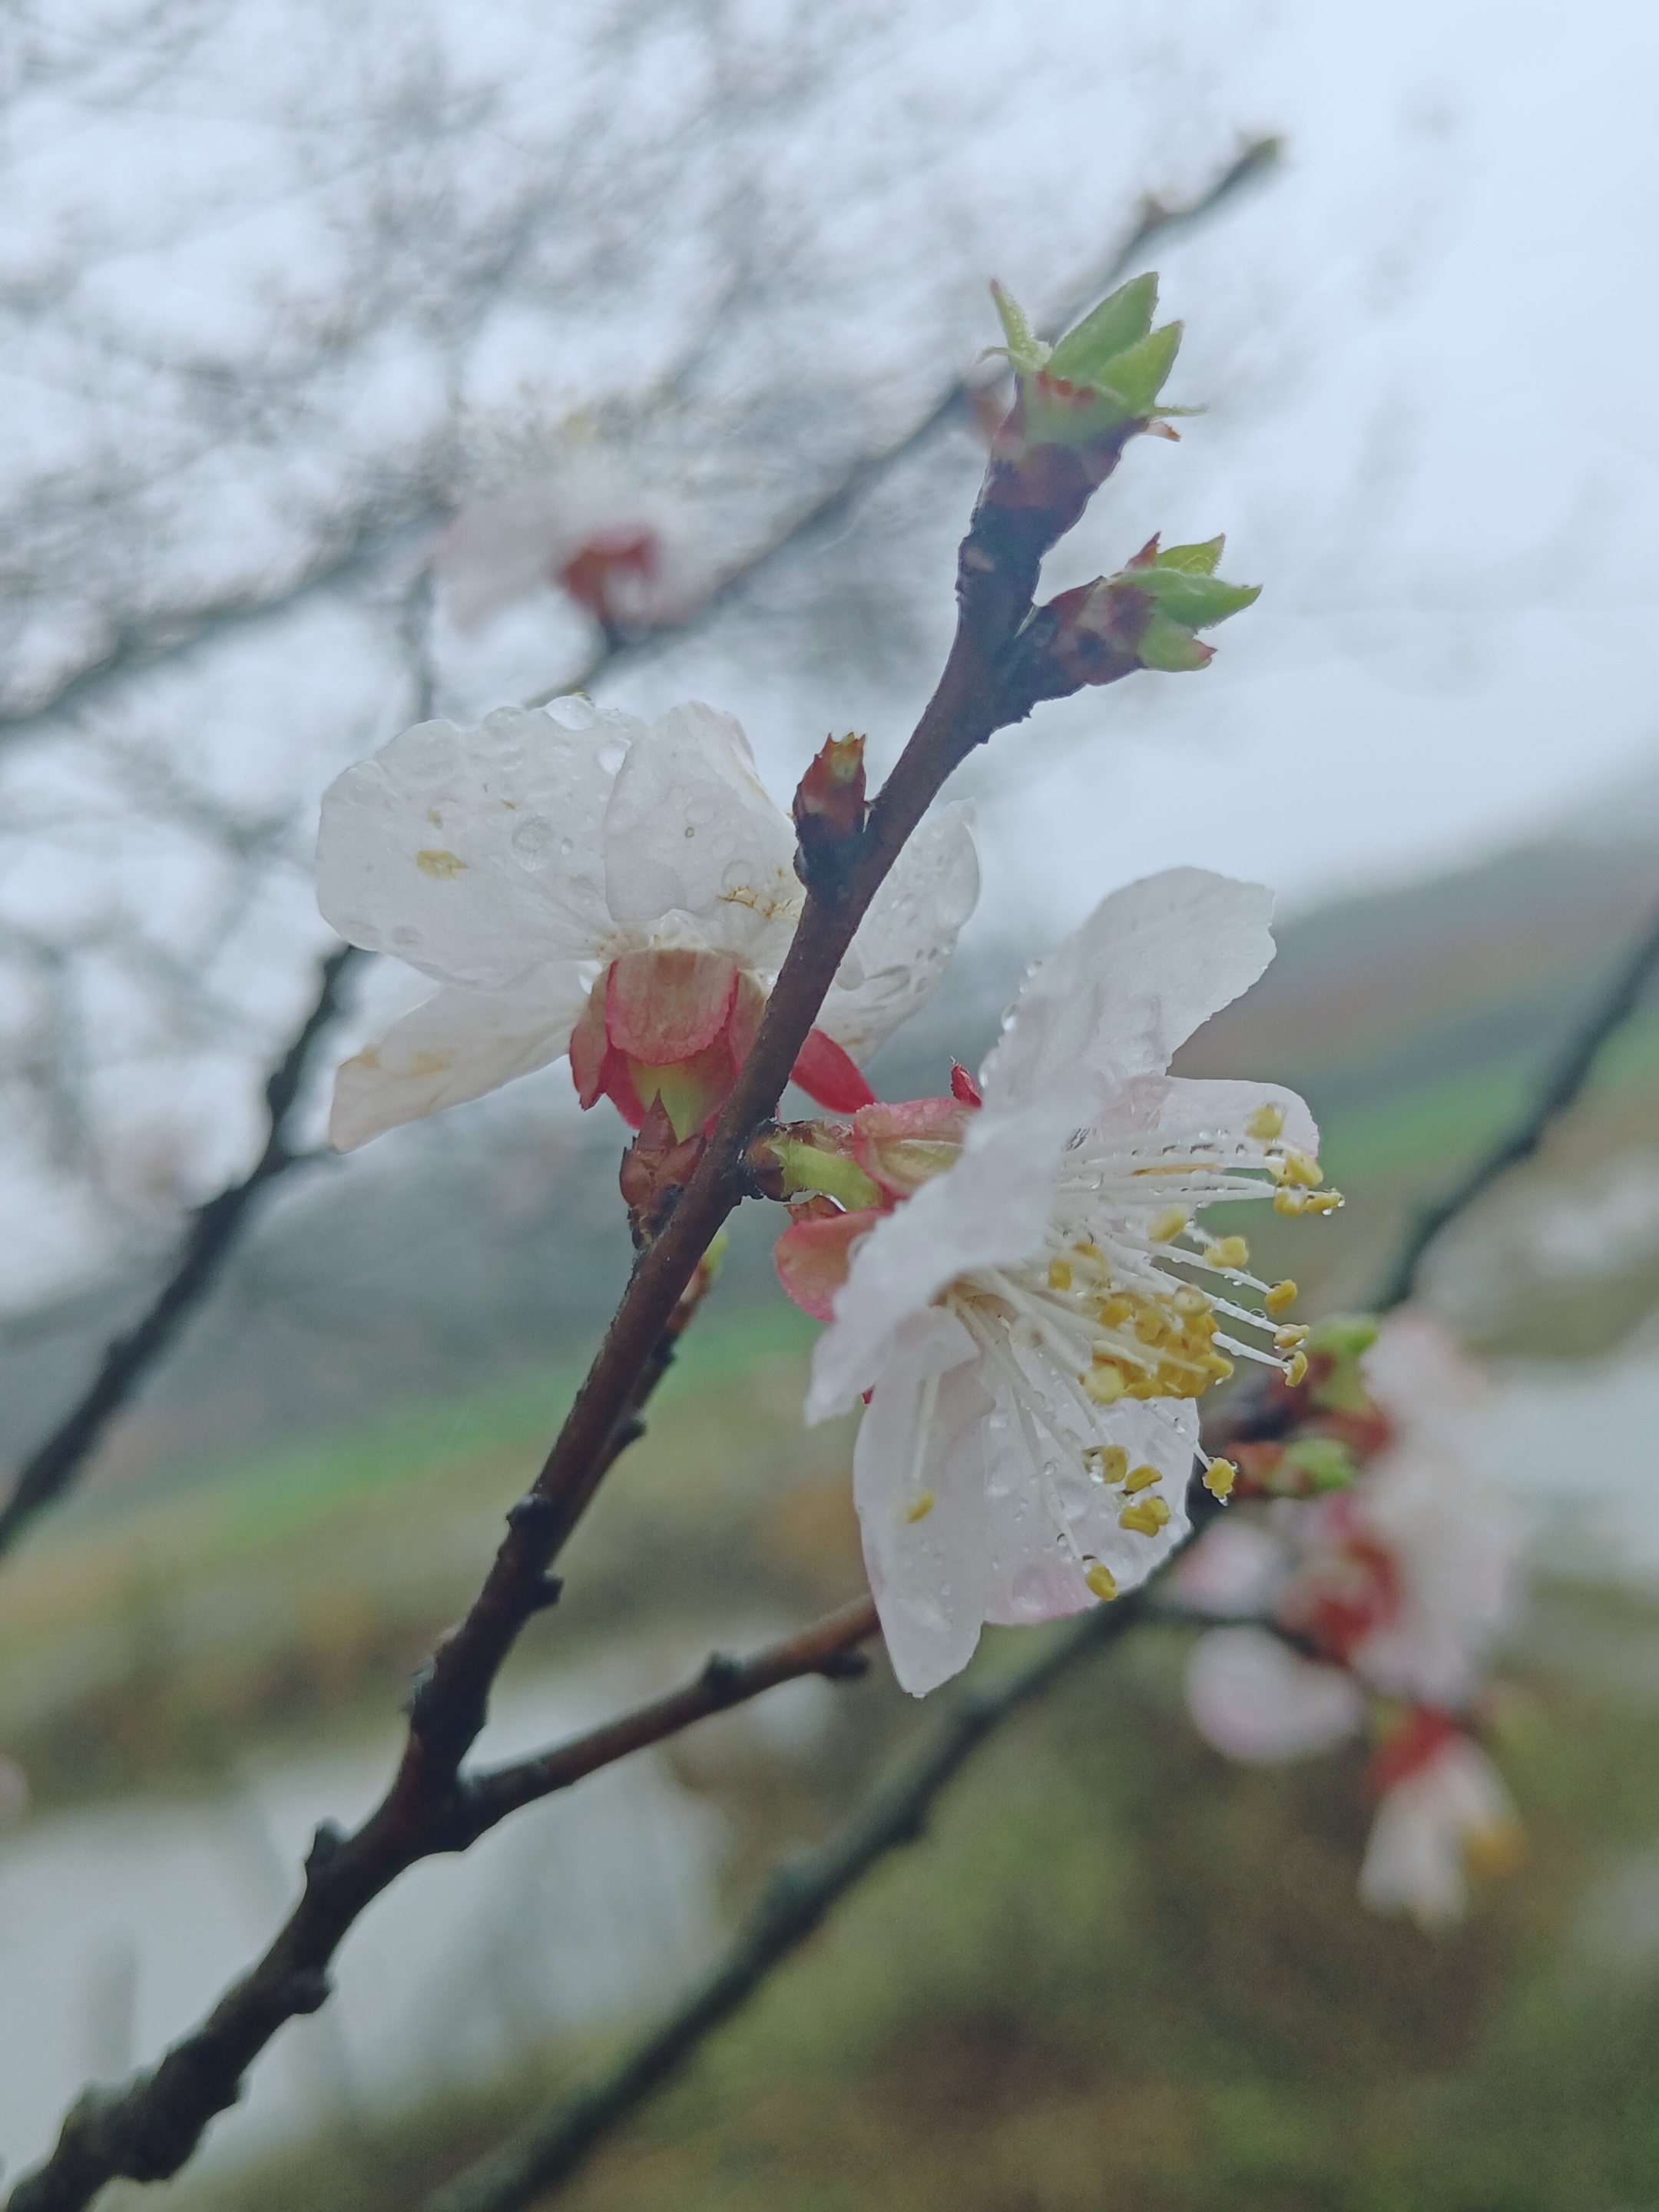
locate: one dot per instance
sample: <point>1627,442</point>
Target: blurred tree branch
<point>796,1895</point>
<point>1564,1080</point>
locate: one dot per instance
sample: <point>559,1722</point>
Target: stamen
<point>1100,1581</point>
<point>1227,1253</point>
<point>1219,1476</point>
<point>1281,1297</point>
<point>1059,1275</point>
<point>1145,1518</point>
<point>1297,1371</point>
<point>1265,1123</point>
<point>1107,1463</point>
<point>1141,1478</point>
<point>1167,1224</point>
<point>1291,1338</point>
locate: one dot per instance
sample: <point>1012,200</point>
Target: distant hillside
<point>1413,1020</point>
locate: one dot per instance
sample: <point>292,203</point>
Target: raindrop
<point>533,840</point>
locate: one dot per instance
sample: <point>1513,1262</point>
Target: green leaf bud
<point>1325,1461</point>
<point>1118,322</point>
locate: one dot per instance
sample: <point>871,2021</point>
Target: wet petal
<point>990,1209</point>
<point>665,1007</point>
<point>690,832</point>
<point>1159,1105</point>
<point>1254,1699</point>
<point>905,1145</point>
<point>812,1256</point>
<point>919,1484</point>
<point>474,854</point>
<point>905,941</point>
<point>1152,962</point>
<point>456,1046</point>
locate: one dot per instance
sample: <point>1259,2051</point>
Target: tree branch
<point>215,1227</point>
<point>799,1894</point>
<point>1564,1079</point>
<point>148,2130</point>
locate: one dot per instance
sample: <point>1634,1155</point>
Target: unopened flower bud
<point>829,811</point>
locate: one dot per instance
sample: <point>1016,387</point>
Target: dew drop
<point>532,841</point>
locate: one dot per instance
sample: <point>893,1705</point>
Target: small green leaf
<point>806,1168</point>
<point>1025,349</point>
<point>1107,331</point>
<point>1133,379</point>
<point>1340,1334</point>
<point>1165,645</point>
<point>1192,559</point>
<point>1327,1462</point>
<point>1200,602</point>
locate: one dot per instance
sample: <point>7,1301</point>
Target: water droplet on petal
<point>533,840</point>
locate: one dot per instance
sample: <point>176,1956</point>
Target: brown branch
<point>148,2130</point>
<point>800,1892</point>
<point>213,1230</point>
<point>105,2132</point>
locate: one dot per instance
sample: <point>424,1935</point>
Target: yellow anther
<point>1086,1250</point>
<point>1220,1369</point>
<point>1323,1201</point>
<point>1287,1339</point>
<point>1100,1581</point>
<point>1265,1123</point>
<point>1219,1477</point>
<point>1145,1517</point>
<point>1296,1167</point>
<point>1109,1462</point>
<point>1281,1297</point>
<point>1169,1223</point>
<point>1227,1252</point>
<point>1114,1312</point>
<point>1103,1384</point>
<point>1190,1300</point>
<point>1150,1327</point>
<point>1059,1274</point>
<point>1290,1201</point>
<point>1298,1370</point>
<point>920,1506</point>
<point>1141,1478</point>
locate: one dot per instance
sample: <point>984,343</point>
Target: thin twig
<point>56,1464</point>
<point>799,1894</point>
<point>828,512</point>
<point>213,1232</point>
<point>1564,1079</point>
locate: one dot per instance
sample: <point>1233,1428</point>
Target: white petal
<point>474,854</point>
<point>1415,1860</point>
<point>920,1434</point>
<point>1234,1570</point>
<point>989,1209</point>
<point>1034,1573</point>
<point>456,1046</point>
<point>905,941</point>
<point>1255,1700</point>
<point>690,832</point>
<point>1458,1551</point>
<point>1152,962</point>
<point>1156,1105</point>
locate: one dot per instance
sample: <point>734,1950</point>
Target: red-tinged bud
<point>963,1089</point>
<point>904,1145</point>
<point>673,1026</point>
<point>608,554</point>
<point>830,811</point>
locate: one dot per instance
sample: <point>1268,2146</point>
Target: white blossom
<point>527,863</point>
<point>1031,1325</point>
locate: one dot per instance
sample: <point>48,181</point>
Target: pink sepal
<point>812,1256</point>
<point>826,1074</point>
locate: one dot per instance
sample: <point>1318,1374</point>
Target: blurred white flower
<point>1031,1350</point>
<point>625,557</point>
<point>579,881</point>
<point>1257,1700</point>
<point>1447,1816</point>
